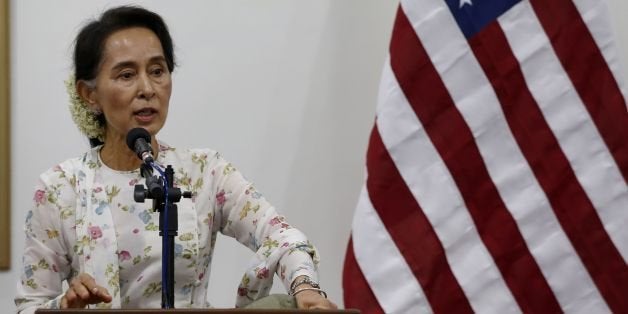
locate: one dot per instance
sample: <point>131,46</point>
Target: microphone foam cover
<point>135,134</point>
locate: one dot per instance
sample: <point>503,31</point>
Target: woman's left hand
<point>311,299</point>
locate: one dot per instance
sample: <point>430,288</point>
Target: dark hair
<point>90,42</point>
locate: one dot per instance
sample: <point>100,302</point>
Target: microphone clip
<point>154,186</point>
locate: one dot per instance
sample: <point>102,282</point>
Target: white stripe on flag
<point>383,266</point>
<point>432,186</point>
<point>570,121</point>
<point>578,294</point>
<point>595,14</point>
<point>517,185</point>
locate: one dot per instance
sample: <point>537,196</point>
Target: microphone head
<point>136,134</point>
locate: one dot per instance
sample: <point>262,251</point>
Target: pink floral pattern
<point>95,232</point>
<point>40,197</point>
<point>237,210</point>
<point>124,256</point>
<point>220,198</point>
<point>262,273</point>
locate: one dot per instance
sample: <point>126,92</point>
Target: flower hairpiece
<point>86,119</point>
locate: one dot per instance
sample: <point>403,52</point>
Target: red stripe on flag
<point>582,60</point>
<point>411,231</point>
<point>454,141</point>
<point>357,293</point>
<point>572,207</point>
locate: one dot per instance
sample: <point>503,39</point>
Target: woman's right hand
<point>83,290</point>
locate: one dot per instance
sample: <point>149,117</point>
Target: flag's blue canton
<point>473,15</point>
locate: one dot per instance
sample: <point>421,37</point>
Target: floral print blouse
<point>84,219</point>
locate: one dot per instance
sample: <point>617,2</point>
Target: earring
<point>96,111</point>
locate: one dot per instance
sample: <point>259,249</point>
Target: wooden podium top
<point>196,311</point>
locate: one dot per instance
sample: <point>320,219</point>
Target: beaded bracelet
<point>321,292</point>
<point>302,281</point>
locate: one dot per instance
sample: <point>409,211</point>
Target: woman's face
<point>133,85</point>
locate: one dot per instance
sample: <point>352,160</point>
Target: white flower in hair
<point>85,118</point>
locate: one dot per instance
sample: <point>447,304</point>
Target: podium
<point>195,311</point>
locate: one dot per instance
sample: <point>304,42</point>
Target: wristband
<point>303,280</point>
<point>321,292</point>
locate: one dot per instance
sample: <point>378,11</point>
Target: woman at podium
<point>84,226</point>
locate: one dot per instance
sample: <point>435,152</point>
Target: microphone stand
<point>155,190</point>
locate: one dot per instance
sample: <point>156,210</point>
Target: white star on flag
<point>463,2</point>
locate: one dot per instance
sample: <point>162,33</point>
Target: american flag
<point>497,166</point>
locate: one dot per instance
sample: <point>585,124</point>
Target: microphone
<point>138,140</point>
